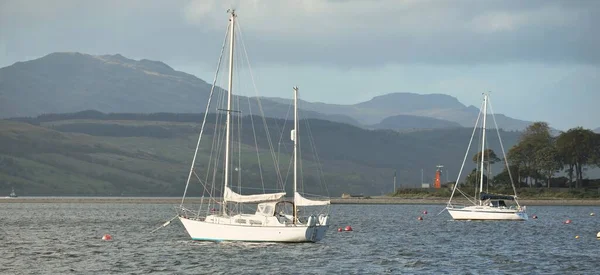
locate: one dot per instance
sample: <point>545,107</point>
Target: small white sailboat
<point>12,193</point>
<point>486,206</point>
<point>273,219</point>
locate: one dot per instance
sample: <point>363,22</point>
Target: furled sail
<point>299,200</point>
<point>235,197</point>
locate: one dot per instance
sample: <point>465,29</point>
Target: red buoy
<point>425,212</point>
<point>107,237</point>
<point>348,228</point>
<point>534,217</point>
<point>567,221</point>
<point>340,229</point>
<point>420,218</point>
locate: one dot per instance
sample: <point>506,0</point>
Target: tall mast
<point>482,146</point>
<point>229,95</point>
<point>295,137</point>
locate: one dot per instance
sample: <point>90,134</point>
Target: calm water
<point>387,239</point>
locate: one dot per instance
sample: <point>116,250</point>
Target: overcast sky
<point>540,59</point>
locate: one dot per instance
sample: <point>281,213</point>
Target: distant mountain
<point>437,106</point>
<point>597,130</point>
<point>407,122</point>
<point>73,82</point>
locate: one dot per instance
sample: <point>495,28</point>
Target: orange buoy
<point>107,237</point>
<point>340,229</point>
<point>567,221</point>
<point>348,228</point>
<point>425,212</point>
<point>534,217</point>
<point>420,218</point>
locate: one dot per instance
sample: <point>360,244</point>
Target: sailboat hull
<point>487,213</point>
<point>217,232</point>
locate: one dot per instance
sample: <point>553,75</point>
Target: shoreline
<point>373,200</point>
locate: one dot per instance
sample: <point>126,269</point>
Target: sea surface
<point>65,238</point>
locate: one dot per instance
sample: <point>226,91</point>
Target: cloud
<point>339,33</point>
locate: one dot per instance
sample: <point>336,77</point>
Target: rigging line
<point>466,155</point>
<point>238,117</point>
<point>512,183</point>
<point>289,171</point>
<point>212,89</point>
<point>204,191</point>
<point>465,195</point>
<point>270,142</point>
<point>282,131</point>
<point>311,139</point>
<point>251,116</point>
<point>260,169</point>
<point>301,164</point>
<point>281,141</point>
<point>215,155</point>
<point>216,147</point>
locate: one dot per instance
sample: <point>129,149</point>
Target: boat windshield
<point>284,208</point>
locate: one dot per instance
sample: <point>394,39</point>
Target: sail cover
<point>235,197</point>
<point>302,201</point>
<point>486,196</point>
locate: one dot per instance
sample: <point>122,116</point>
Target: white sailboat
<point>486,206</point>
<point>274,218</point>
<point>12,193</point>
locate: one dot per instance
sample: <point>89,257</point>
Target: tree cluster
<point>539,155</point>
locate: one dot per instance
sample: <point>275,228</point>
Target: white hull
<point>213,231</point>
<point>487,213</point>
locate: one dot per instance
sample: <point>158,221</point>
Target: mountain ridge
<point>66,82</point>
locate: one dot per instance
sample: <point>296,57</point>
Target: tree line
<point>539,156</point>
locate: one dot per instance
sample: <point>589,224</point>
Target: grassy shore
<point>372,200</point>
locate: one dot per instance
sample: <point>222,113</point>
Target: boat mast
<point>295,137</point>
<point>229,95</point>
<point>482,147</point>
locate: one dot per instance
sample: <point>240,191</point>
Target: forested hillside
<point>92,153</point>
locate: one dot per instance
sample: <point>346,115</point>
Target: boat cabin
<point>283,210</point>
<point>498,203</point>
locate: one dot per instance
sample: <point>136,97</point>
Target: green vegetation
<point>535,160</point>
<point>539,156</point>
<point>524,193</point>
<point>92,153</point>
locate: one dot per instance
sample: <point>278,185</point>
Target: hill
<point>406,122</point>
<point>417,106</point>
<point>92,153</point>
<point>72,82</point>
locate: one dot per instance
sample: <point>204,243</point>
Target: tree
<point>548,162</point>
<point>503,179</point>
<point>490,158</point>
<point>578,148</point>
<point>534,154</point>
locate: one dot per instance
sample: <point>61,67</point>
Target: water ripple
<point>387,239</point>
